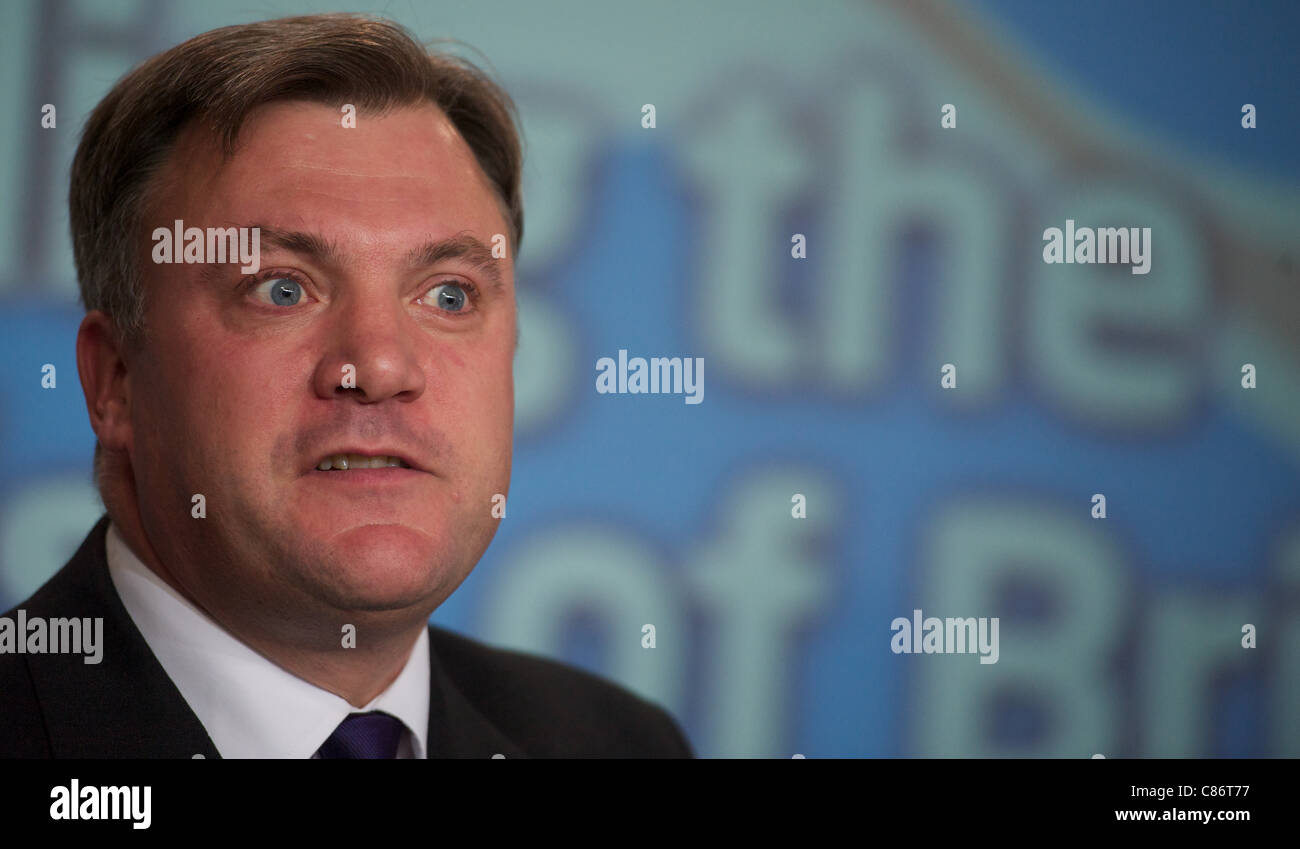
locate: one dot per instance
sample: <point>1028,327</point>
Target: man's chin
<point>381,567</point>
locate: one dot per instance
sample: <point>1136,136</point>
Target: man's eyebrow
<point>462,246</point>
<point>308,244</point>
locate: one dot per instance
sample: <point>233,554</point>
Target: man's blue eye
<point>450,297</point>
<point>285,292</point>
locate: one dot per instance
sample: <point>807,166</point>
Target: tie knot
<point>364,735</point>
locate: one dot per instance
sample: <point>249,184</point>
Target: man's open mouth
<point>344,462</point>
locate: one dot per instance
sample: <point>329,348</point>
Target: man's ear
<point>102,366</point>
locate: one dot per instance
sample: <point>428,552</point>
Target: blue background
<point>1120,635</point>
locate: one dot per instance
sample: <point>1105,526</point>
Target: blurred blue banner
<point>906,409</point>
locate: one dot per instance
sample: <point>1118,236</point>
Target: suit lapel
<point>125,706</point>
<point>456,728</point>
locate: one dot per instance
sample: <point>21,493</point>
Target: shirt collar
<point>250,707</point>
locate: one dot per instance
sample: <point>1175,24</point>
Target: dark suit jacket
<point>483,701</point>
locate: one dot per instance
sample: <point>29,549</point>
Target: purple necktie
<point>364,735</point>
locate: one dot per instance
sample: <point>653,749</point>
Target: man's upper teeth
<point>359,461</point>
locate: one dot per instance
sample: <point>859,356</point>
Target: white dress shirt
<point>250,707</point>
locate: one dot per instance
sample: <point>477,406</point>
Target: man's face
<point>240,392</point>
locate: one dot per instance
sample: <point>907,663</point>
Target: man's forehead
<point>305,171</point>
<point>297,140</point>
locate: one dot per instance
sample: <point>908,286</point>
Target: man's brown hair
<point>218,78</point>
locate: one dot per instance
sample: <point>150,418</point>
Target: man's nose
<point>372,352</point>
